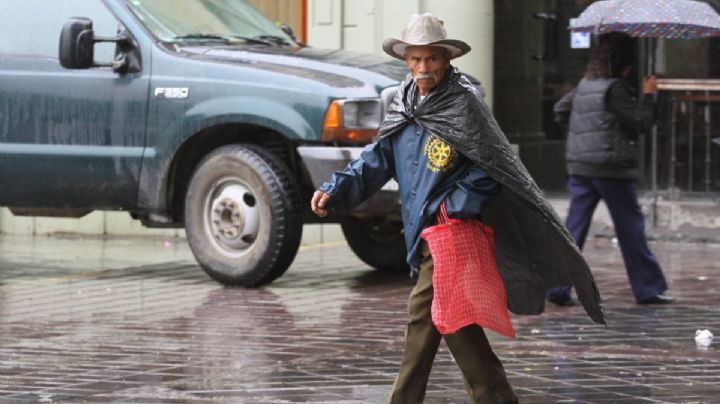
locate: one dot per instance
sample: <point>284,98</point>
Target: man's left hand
<point>319,202</point>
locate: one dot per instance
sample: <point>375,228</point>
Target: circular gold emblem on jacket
<point>439,154</point>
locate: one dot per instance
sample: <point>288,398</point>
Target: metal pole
<point>653,156</point>
<point>654,167</point>
<point>673,141</point>
<point>653,51</point>
<point>691,123</point>
<point>707,141</point>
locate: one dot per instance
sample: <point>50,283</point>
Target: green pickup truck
<point>199,114</point>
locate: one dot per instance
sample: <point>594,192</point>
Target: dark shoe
<point>658,299</point>
<point>565,301</point>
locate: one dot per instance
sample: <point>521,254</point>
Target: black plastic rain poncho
<point>534,250</point>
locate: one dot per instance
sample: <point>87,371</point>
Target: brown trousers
<point>483,374</point>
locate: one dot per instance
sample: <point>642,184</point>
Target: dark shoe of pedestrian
<point>565,301</point>
<point>658,299</point>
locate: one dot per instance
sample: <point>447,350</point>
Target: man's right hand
<point>319,202</point>
<point>650,85</point>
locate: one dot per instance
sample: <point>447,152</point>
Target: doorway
<point>534,66</point>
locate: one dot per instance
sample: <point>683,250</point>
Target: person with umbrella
<point>602,161</point>
<point>605,83</point>
<point>650,20</point>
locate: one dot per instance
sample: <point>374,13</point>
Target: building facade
<point>523,57</point>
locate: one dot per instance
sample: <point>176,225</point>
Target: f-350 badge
<point>174,93</point>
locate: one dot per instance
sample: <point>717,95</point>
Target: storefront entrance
<point>535,65</point>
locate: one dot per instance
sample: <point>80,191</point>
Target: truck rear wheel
<point>242,216</point>
<point>377,242</point>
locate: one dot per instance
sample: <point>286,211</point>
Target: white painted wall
<point>362,25</point>
<point>121,224</point>
<point>324,29</point>
<point>95,223</point>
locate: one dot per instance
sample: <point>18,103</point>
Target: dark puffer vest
<point>597,145</point>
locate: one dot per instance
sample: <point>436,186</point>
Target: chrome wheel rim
<point>232,216</point>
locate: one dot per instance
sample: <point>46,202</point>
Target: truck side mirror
<point>77,45</point>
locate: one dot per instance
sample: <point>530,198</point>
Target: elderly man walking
<point>442,145</point>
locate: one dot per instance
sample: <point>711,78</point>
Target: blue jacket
<point>427,170</point>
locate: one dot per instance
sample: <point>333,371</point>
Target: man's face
<point>427,65</point>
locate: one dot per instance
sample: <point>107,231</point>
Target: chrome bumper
<point>321,162</point>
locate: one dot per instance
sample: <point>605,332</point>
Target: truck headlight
<point>352,121</point>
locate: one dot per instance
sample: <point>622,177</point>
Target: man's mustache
<point>425,76</point>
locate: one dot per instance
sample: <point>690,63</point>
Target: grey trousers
<point>483,374</point>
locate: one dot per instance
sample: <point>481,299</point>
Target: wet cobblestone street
<point>137,321</point>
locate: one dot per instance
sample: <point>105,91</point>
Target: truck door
<point>68,138</point>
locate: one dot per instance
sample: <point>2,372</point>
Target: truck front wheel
<point>379,243</point>
<point>242,216</point>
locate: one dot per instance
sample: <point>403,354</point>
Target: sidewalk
<point>687,221</point>
<point>690,220</point>
<point>136,320</point>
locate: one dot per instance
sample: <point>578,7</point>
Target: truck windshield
<point>224,21</point>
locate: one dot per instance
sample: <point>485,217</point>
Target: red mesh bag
<point>467,288</point>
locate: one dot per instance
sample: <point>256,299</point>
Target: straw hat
<point>424,29</point>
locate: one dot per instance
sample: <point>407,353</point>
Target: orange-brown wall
<point>290,12</point>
